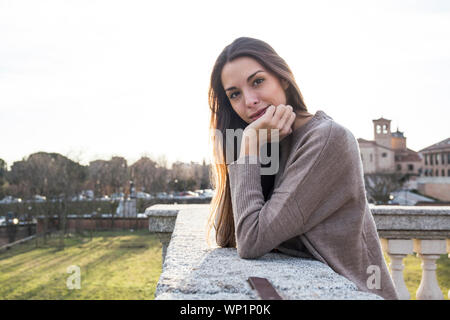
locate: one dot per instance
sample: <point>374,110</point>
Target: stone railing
<point>194,270</point>
<point>406,230</point>
<point>162,219</point>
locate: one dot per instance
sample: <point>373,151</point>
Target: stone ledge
<point>194,271</point>
<point>410,210</point>
<point>406,222</point>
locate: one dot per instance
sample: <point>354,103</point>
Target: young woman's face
<point>251,88</point>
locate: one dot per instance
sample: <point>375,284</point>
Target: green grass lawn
<point>113,265</point>
<point>412,273</point>
<point>118,265</point>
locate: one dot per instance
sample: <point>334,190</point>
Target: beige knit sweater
<point>318,202</point>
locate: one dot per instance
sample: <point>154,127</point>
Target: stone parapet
<point>412,222</point>
<point>422,230</point>
<point>193,270</point>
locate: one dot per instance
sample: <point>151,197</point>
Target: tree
<point>52,175</point>
<point>117,174</point>
<point>98,177</point>
<point>205,182</point>
<point>190,176</point>
<point>107,176</point>
<point>3,171</point>
<point>162,176</point>
<point>379,186</point>
<point>143,172</point>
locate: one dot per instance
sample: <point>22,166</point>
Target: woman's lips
<point>259,114</point>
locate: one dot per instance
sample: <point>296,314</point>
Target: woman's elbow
<point>247,252</point>
<point>248,243</point>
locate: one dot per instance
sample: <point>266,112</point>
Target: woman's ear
<point>284,84</point>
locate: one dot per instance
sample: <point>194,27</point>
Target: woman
<point>315,205</point>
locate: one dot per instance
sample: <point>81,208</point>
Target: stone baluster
<point>397,249</point>
<point>429,251</point>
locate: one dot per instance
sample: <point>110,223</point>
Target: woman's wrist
<point>249,143</point>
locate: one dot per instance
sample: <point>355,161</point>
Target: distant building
<point>436,159</point>
<point>388,152</point>
<point>435,178</point>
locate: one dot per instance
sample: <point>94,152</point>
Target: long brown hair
<point>224,117</point>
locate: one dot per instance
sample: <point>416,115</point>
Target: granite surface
<point>194,270</point>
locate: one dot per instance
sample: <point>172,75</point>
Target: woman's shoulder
<point>340,133</point>
<point>323,130</point>
<point>323,126</point>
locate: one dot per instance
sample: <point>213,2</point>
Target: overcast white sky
<point>93,79</point>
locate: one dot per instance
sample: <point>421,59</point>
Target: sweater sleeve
<point>320,179</point>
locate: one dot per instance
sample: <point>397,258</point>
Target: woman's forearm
<point>249,144</point>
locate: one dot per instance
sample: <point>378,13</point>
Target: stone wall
<point>22,231</point>
<point>194,270</point>
<point>439,191</point>
<point>80,224</point>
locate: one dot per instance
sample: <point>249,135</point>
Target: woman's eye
<point>258,81</point>
<point>232,96</point>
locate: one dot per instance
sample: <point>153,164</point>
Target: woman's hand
<point>280,118</point>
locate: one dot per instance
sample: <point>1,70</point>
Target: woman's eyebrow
<point>248,79</point>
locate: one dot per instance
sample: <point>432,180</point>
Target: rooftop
<point>361,140</point>
<point>398,134</point>
<point>407,155</point>
<point>381,119</point>
<point>442,145</point>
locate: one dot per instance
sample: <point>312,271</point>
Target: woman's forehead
<point>239,69</point>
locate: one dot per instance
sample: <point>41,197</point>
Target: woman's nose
<point>251,99</point>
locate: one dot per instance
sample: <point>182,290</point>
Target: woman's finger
<point>287,128</point>
<point>270,112</point>
<point>279,112</point>
<point>286,117</point>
